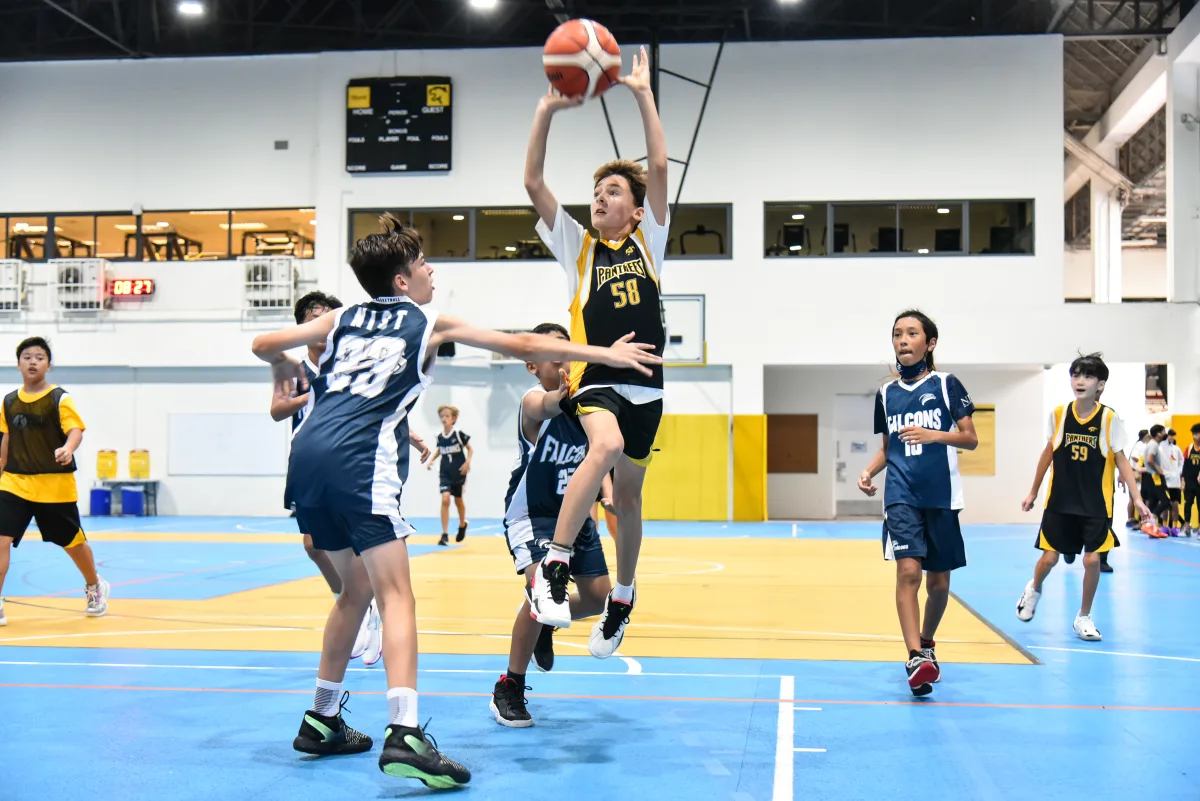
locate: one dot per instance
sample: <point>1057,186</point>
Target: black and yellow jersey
<point>614,289</point>
<point>35,426</point>
<point>1083,470</point>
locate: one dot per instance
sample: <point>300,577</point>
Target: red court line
<point>571,696</point>
<point>1164,558</point>
<point>177,575</point>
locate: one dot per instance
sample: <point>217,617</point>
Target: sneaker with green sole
<point>327,735</point>
<point>410,753</point>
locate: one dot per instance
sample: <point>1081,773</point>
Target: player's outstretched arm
<point>535,155</point>
<point>623,353</point>
<point>539,406</point>
<point>273,347</point>
<point>638,80</point>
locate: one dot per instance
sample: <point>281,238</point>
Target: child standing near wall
<point>1191,484</point>
<point>1172,464</point>
<point>924,416</point>
<point>42,430</point>
<point>454,449</point>
<point>1085,441</point>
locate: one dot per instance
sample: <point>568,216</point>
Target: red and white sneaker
<point>922,673</point>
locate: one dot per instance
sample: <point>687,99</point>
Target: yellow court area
<point>698,597</point>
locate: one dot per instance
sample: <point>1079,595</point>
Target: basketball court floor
<point>764,662</point>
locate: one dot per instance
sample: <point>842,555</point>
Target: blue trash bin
<point>133,502</point>
<point>101,502</point>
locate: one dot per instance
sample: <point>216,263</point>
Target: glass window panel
<point>3,237</point>
<point>74,236</point>
<point>866,228</point>
<point>444,234</point>
<point>116,236</point>
<point>1001,226</point>
<point>184,235</point>
<point>931,227</point>
<point>27,238</point>
<point>364,222</point>
<point>700,232</point>
<point>794,230</point>
<point>508,233</point>
<point>274,232</point>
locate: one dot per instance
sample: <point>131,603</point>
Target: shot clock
<point>128,288</point>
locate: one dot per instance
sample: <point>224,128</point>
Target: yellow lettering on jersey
<point>1083,439</point>
<point>606,274</point>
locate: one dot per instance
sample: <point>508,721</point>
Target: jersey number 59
<point>364,365</point>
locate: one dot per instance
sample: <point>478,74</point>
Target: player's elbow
<point>657,164</point>
<point>972,441</point>
<point>278,414</point>
<point>526,346</point>
<point>534,183</point>
<point>261,347</point>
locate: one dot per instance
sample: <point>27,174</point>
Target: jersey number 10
<point>912,448</point>
<point>364,365</point>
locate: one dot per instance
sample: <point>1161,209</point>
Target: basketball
<point>582,59</point>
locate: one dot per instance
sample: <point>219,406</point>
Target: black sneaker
<point>543,652</point>
<point>412,754</point>
<point>445,540</point>
<point>1069,558</point>
<point>326,735</point>
<point>462,532</point>
<point>508,704</point>
<point>921,674</point>
<point>927,651</point>
<point>1105,567</point>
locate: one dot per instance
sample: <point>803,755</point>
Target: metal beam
<point>79,21</point>
<point>1096,163</point>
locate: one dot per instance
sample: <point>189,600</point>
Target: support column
<point>749,458</point>
<point>1106,242</point>
<point>1183,183</point>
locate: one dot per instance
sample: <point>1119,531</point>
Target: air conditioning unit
<point>270,283</point>
<point>80,285</point>
<point>12,286</point>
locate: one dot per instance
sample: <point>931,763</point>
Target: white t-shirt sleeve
<point>656,236</point>
<point>565,243</point>
<point>1052,425</point>
<point>1118,437</point>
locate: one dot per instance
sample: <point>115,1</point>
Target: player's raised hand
<point>564,383</point>
<point>552,101</point>
<point>287,370</point>
<point>627,353</point>
<point>638,78</point>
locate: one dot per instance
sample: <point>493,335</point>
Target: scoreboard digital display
<point>131,288</point>
<point>398,124</point>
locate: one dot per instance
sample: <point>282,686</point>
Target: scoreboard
<point>398,124</point>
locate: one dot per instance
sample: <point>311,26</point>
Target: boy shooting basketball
<point>613,281</point>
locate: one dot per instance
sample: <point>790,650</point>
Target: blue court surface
<point>1119,719</point>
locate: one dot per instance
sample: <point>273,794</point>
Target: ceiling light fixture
<point>795,248</point>
<point>483,5</point>
<point>797,216</point>
<point>190,8</point>
<point>459,217</point>
<point>922,251</point>
<point>943,210</point>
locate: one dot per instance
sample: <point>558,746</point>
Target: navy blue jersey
<point>310,375</point>
<point>353,445</point>
<point>453,450</point>
<point>540,476</point>
<point>924,476</point>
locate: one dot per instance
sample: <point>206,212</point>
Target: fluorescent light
<point>1139,243</point>
<point>789,2</point>
<point>794,248</point>
<point>163,224</point>
<point>797,216</point>
<point>510,248</point>
<point>312,222</point>
<point>483,5</point>
<point>459,217</point>
<point>190,8</point>
<point>943,210</point>
<point>223,213</point>
<point>307,211</point>
<point>922,251</point>
<point>244,226</point>
<point>1152,218</point>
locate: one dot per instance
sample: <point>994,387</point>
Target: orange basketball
<point>582,59</point>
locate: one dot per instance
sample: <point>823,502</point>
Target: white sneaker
<point>3,619</point>
<point>550,581</point>
<point>609,630</point>
<point>1086,629</point>
<point>364,634</point>
<point>1028,603</point>
<point>97,599</point>
<point>375,641</point>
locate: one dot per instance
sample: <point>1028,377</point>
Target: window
<point>919,228</point>
<point>700,232</point>
<point>112,231</point>
<point>445,235</point>
<point>274,232</point>
<point>74,237</point>
<point>181,236</point>
<point>27,238</point>
<point>508,233</point>
<point>1001,226</point>
<point>796,230</point>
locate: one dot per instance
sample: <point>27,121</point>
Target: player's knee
<point>607,447</point>
<point>1049,558</point>
<point>446,500</point>
<point>937,583</point>
<point>1091,559</point>
<point>627,501</point>
<point>908,571</point>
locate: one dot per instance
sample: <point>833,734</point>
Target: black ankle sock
<point>926,643</point>
<point>519,678</point>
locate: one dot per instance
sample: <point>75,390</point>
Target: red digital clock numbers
<point>132,288</point>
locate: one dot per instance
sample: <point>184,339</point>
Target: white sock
<point>557,553</point>
<point>402,703</point>
<point>325,700</point>
<point>622,593</point>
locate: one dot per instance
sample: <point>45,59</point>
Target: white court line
<point>1113,653</point>
<point>119,633</point>
<point>784,738</point>
<point>794,529</point>
<point>808,750</point>
<point>806,708</point>
<point>310,668</point>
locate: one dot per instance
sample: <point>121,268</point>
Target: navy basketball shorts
<point>453,486</point>
<point>335,527</point>
<point>931,535</point>
<point>529,540</point>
